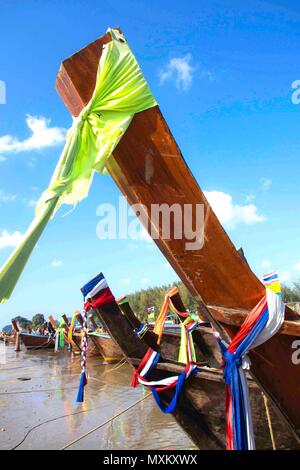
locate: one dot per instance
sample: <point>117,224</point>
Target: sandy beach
<point>38,408</point>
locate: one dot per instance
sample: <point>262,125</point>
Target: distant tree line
<point>37,320</point>
<point>291,293</point>
<point>141,300</point>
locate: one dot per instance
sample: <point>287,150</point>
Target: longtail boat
<point>148,168</point>
<point>76,337</point>
<point>103,344</point>
<point>106,346</point>
<point>35,341</point>
<point>206,348</point>
<point>9,338</point>
<point>99,344</point>
<point>55,326</point>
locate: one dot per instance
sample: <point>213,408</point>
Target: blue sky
<point>222,72</point>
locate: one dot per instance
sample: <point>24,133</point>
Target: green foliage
<point>154,296</point>
<point>38,320</point>
<point>141,300</point>
<point>291,293</point>
<point>23,322</point>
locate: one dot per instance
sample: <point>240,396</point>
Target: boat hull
<point>149,169</point>
<point>107,347</point>
<point>32,341</point>
<point>206,348</point>
<point>200,411</point>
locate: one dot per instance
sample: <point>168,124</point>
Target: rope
<point>105,422</point>
<point>266,403</point>
<point>37,391</point>
<point>50,421</point>
<point>84,346</point>
<point>117,366</point>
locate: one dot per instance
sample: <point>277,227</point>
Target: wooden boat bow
<point>215,274</point>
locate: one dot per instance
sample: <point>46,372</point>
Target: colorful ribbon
<point>141,330</point>
<point>272,281</point>
<point>61,323</point>
<point>71,328</point>
<point>84,346</point>
<point>260,325</point>
<point>187,348</point>
<point>146,365</point>
<point>151,358</point>
<point>96,287</point>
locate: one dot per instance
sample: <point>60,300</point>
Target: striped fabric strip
<point>260,325</point>
<point>91,284</point>
<point>96,293</point>
<point>272,281</point>
<point>102,284</point>
<point>122,300</point>
<point>270,277</point>
<point>151,358</point>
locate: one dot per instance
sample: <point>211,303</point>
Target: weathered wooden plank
<point>15,326</point>
<point>53,322</point>
<point>236,317</point>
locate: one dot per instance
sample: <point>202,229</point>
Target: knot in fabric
<point>231,361</point>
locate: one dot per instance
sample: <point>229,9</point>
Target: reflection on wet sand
<point>41,412</point>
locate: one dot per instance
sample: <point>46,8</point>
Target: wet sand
<point>40,386</point>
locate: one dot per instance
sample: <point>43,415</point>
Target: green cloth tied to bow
<point>121,91</point>
<point>61,323</point>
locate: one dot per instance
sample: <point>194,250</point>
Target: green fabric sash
<point>121,91</point>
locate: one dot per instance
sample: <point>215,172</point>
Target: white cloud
<point>5,197</point>
<point>284,276</point>
<point>266,263</point>
<point>231,214</point>
<point>42,136</point>
<point>297,266</point>
<point>2,158</point>
<point>145,280</point>
<point>10,239</point>
<point>56,263</point>
<point>126,281</point>
<point>31,203</point>
<point>266,183</point>
<point>179,70</point>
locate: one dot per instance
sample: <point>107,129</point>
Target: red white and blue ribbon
<point>95,293</point>
<point>141,330</point>
<point>151,358</point>
<point>272,281</point>
<point>260,325</point>
<point>148,363</point>
<point>84,346</point>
